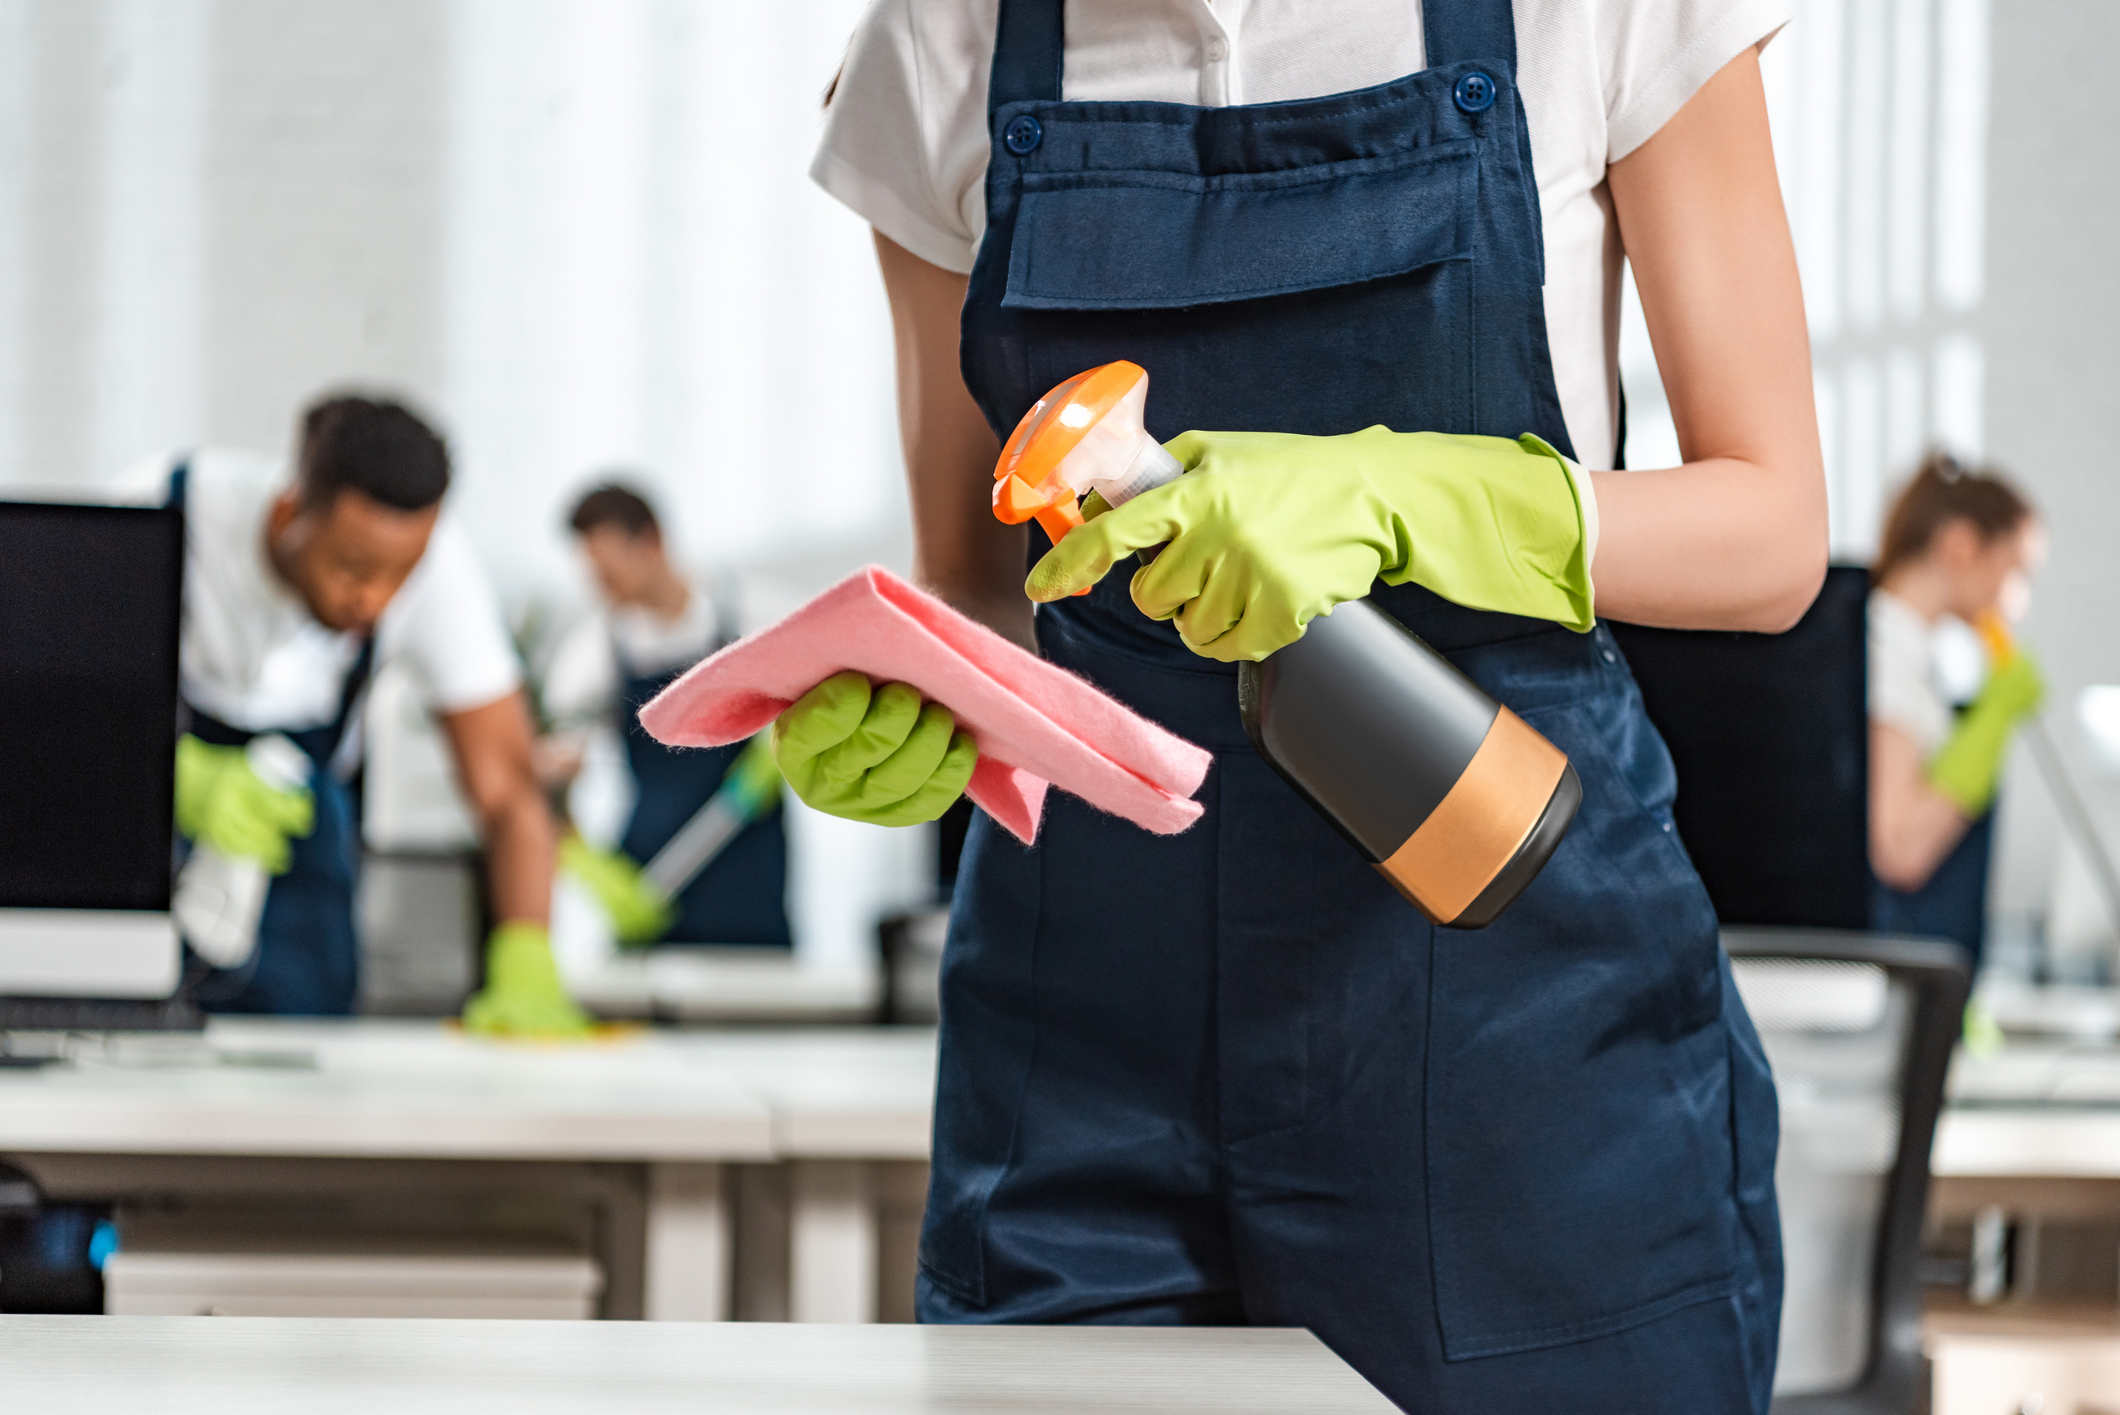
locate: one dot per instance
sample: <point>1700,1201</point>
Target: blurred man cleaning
<point>298,583</point>
<point>655,624</point>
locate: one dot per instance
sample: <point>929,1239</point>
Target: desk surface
<point>2048,1109</point>
<point>424,1090</point>
<point>234,1366</point>
<point>377,1088</point>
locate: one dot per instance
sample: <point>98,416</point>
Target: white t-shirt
<point>1905,689</point>
<point>252,655</point>
<point>581,682</point>
<point>905,142</point>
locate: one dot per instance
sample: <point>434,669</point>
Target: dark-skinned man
<point>299,581</point>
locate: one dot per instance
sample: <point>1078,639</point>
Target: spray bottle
<point>1451,796</point>
<point>218,899</point>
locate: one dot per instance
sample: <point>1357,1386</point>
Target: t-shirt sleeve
<point>1656,54</point>
<point>904,142</point>
<point>1902,687</point>
<point>450,632</point>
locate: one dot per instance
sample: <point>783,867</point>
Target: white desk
<point>841,1100</point>
<point>232,1366</point>
<point>264,1106</point>
<point>2047,1110</point>
<point>398,1090</point>
<point>419,1106</point>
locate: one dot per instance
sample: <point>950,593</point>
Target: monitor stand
<point>91,970</point>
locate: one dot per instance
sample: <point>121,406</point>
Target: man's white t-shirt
<point>905,141</point>
<point>253,656</point>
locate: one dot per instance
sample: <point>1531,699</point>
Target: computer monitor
<point>89,599</point>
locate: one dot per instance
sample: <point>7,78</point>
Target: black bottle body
<point>1449,794</point>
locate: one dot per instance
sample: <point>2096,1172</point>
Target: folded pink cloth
<point>1035,724</point>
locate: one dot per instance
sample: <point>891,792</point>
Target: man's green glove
<point>1969,764</point>
<point>880,757</point>
<point>523,996</point>
<point>222,803</point>
<point>1270,530</point>
<point>639,914</point>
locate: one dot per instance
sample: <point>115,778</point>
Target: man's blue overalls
<point>308,957</point>
<point>741,896</point>
<point>1230,1075</point>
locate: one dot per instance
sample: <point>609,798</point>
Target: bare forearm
<point>1735,538</point>
<point>1913,826</point>
<point>1722,543</point>
<point>520,841</point>
<point>492,747</point>
<point>960,552</point>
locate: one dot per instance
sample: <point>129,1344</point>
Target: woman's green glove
<point>1270,530</point>
<point>523,996</point>
<point>1969,764</point>
<point>879,757</point>
<point>223,803</point>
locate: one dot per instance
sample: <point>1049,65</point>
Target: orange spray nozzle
<point>1995,636</point>
<point>1029,483</point>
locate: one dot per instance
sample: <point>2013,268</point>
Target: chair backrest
<point>1770,733</point>
<point>1859,1029</point>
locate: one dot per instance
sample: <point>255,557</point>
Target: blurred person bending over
<point>1958,545</point>
<point>300,581</point>
<point>655,623</point>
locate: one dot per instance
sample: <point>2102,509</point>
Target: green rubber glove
<point>879,757</point>
<point>222,803</point>
<point>523,996</point>
<point>638,913</point>
<point>1969,764</point>
<point>1270,530</point>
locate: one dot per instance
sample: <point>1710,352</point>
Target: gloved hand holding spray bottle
<point>238,806</point>
<point>1454,799</point>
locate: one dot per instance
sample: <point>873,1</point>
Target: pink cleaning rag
<point>1035,724</point>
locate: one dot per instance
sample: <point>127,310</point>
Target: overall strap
<point>179,479</point>
<point>350,697</point>
<point>1455,30</point>
<point>1029,52</point>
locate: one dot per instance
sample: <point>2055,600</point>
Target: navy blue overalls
<point>307,962</point>
<point>741,896</point>
<point>1230,1075</point>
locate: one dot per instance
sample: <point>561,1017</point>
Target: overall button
<point>1474,93</point>
<point>1023,132</point>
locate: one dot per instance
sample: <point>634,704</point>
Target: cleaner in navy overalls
<point>297,584</point>
<point>1962,543</point>
<point>1230,1075</point>
<point>654,625</point>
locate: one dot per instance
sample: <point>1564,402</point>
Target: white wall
<point>2052,332</point>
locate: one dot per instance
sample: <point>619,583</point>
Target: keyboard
<point>97,1014</point>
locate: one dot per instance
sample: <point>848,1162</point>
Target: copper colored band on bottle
<point>1480,822</point>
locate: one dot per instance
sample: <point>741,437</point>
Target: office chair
<point>1859,1029</point>
<point>1771,737</point>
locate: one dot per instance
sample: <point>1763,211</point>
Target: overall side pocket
<point>1578,1115</point>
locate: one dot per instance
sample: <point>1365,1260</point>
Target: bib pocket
<point>1079,235</point>
<point>1579,1143</point>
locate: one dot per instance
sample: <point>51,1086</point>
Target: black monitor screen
<point>88,704</point>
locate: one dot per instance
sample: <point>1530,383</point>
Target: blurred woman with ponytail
<point>1958,544</point>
